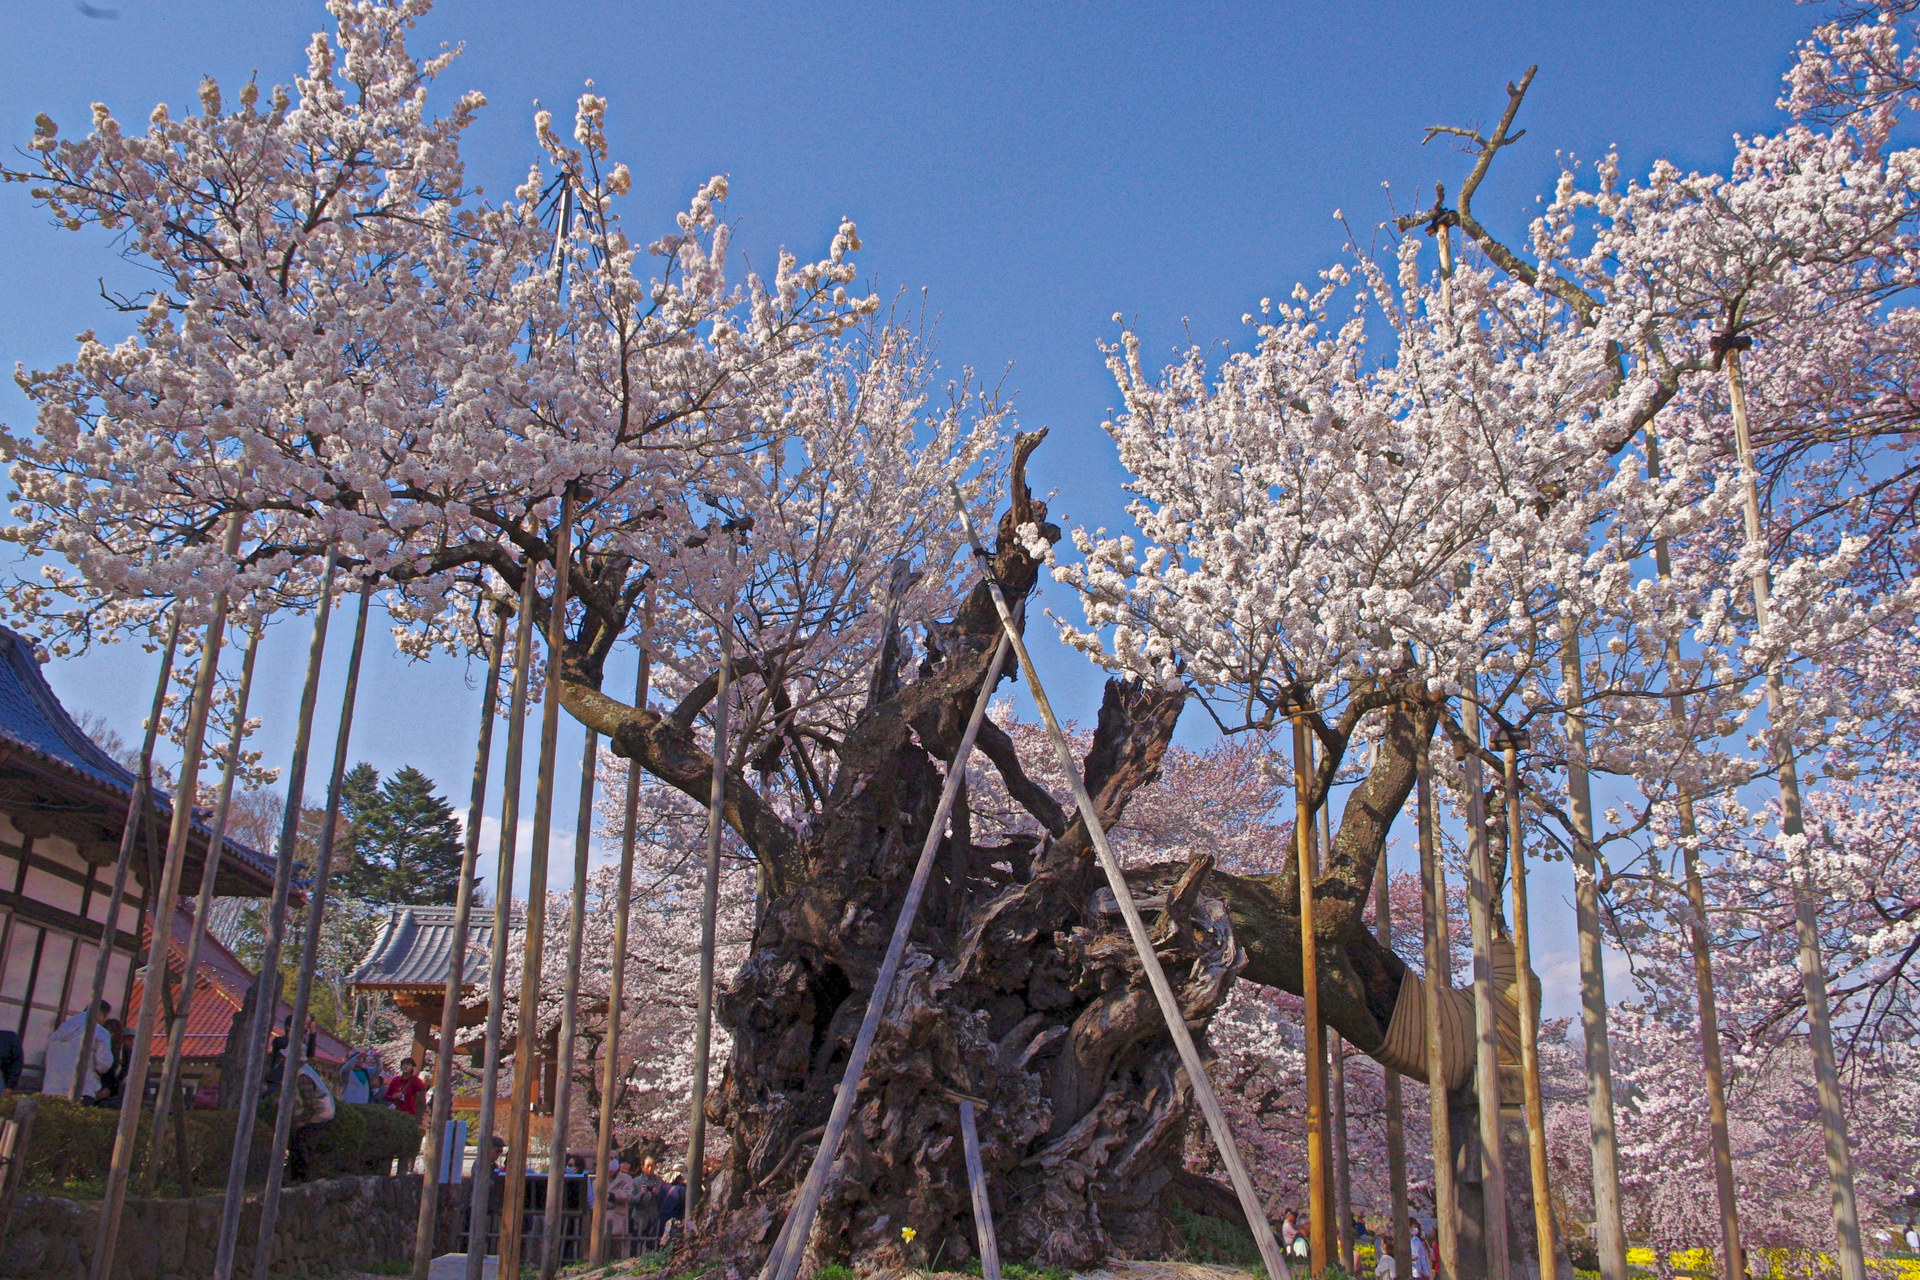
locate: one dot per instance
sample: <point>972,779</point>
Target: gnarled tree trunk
<point>1021,989</point>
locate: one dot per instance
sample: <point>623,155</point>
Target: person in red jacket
<point>404,1091</point>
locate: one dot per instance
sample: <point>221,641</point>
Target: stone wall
<point>324,1228</point>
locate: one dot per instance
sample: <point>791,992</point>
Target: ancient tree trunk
<point>1021,990</point>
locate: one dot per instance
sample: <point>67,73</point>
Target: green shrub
<point>72,1146</point>
<point>365,1139</point>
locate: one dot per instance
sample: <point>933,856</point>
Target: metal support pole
<point>427,1226</point>
<point>1608,1226</point>
<point>1395,1104</point>
<point>1480,902</point>
<point>1813,971</point>
<point>1136,928</point>
<point>126,1135</point>
<point>709,908</point>
<point>137,805</point>
<point>977,1184</point>
<point>791,1245</point>
<point>616,983</point>
<point>202,905</point>
<point>481,1190</point>
<point>533,953</point>
<point>570,1009</point>
<point>1439,957</point>
<point>309,953</point>
<point>268,999</point>
<point>1318,1217</point>
<point>1512,742</point>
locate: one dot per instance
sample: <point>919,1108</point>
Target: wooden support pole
<point>137,805</point>
<point>977,1184</point>
<point>1319,1217</point>
<point>1439,978</point>
<point>202,906</point>
<point>784,1262</point>
<point>1813,970</point>
<point>709,909</point>
<point>1136,928</point>
<point>1609,1228</point>
<point>1486,1085</point>
<point>1395,1105</point>
<point>1511,742</point>
<point>481,1190</point>
<point>1733,1253</point>
<point>126,1137</point>
<point>268,999</point>
<point>616,983</point>
<point>309,952</point>
<point>570,1009</point>
<point>1337,1099</point>
<point>426,1227</point>
<point>533,952</point>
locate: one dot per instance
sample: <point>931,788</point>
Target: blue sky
<point>1035,168</point>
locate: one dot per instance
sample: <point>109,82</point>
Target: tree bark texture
<point>1021,990</point>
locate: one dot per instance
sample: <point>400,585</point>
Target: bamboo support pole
<point>310,951</point>
<point>1136,928</point>
<point>137,805</point>
<point>1480,903</point>
<point>126,1137</point>
<point>570,1007</point>
<point>202,905</point>
<point>1395,1103</point>
<point>616,984</point>
<point>1609,1228</point>
<point>784,1262</point>
<point>533,951</point>
<point>427,1225</point>
<point>977,1185</point>
<point>1733,1253</point>
<point>1318,1217</point>
<point>1813,972</point>
<point>481,1192</point>
<point>1439,960</point>
<point>268,998</point>
<point>709,910</point>
<point>1511,742</point>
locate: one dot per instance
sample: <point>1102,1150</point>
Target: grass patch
<point>1217,1241</point>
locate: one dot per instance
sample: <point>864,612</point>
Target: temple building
<point>63,809</point>
<point>408,964</point>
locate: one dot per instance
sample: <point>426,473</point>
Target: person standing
<point>63,1055</point>
<point>1422,1255</point>
<point>13,1059</point>
<point>359,1077</point>
<point>312,1113</point>
<point>1385,1266</point>
<point>404,1090</point>
<point>620,1193</point>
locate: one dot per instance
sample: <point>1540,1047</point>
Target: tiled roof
<point>220,989</point>
<point>415,949</point>
<point>32,718</point>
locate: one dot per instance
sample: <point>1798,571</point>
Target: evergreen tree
<point>358,872</point>
<point>415,839</point>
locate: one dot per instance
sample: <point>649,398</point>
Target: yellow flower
<point>907,1234</point>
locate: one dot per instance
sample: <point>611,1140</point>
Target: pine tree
<point>413,835</point>
<point>358,871</point>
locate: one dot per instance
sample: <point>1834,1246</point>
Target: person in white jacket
<point>63,1054</point>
